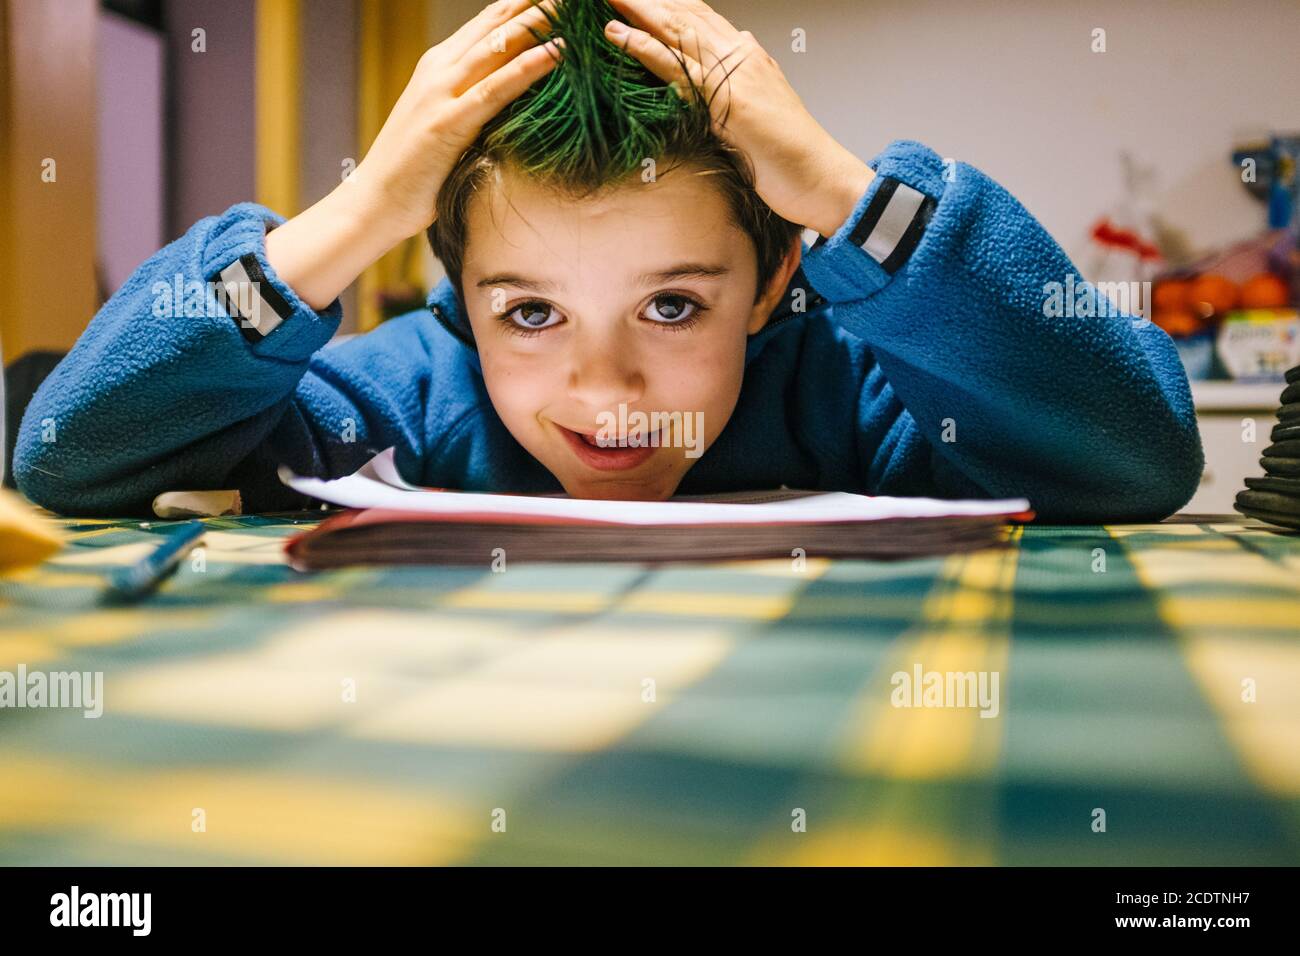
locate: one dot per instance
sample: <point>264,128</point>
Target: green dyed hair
<point>591,123</point>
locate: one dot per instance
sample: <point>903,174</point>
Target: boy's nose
<point>604,372</point>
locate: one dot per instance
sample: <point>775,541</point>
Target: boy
<point>629,311</point>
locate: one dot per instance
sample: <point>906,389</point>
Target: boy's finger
<point>683,24</point>
<point>486,98</point>
<point>502,43</point>
<point>654,55</point>
<point>515,34</point>
<point>481,24</point>
<point>721,25</point>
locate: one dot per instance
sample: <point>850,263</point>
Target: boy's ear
<point>776,287</point>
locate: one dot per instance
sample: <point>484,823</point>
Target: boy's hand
<point>800,171</point>
<point>457,87</point>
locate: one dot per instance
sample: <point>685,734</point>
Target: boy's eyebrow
<point>686,270</point>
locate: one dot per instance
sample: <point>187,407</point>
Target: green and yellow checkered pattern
<point>682,714</point>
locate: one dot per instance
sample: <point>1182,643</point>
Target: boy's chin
<point>630,490</point>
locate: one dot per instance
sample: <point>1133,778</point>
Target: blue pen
<point>134,582</point>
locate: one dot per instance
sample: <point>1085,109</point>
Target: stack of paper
<point>402,524</point>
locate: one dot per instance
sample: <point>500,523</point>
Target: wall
<point>210,116</point>
<point>328,109</point>
<point>47,279</point>
<point>131,190</point>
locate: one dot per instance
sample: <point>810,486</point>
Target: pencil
<point>134,582</point>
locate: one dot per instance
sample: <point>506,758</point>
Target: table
<point>1147,708</point>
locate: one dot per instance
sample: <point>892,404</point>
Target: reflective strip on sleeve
<point>250,298</point>
<point>892,224</point>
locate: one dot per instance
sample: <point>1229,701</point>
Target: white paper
<point>378,484</point>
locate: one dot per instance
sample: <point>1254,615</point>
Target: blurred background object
<point>1158,142</point>
<point>1275,496</point>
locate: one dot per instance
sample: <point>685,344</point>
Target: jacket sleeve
<point>1006,388</point>
<point>163,392</point>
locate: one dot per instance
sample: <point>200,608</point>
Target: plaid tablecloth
<point>1148,707</point>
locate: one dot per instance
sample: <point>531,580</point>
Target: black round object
<point>1285,432</point>
<point>1272,517</point>
<point>1284,486</point>
<point>1275,497</point>
<point>1284,449</point>
<point>1287,467</point>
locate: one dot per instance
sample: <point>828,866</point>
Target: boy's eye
<point>532,316</point>
<point>670,308</point>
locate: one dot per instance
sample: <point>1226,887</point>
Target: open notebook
<point>395,522</point>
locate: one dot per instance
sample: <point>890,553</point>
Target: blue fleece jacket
<point>947,378</point>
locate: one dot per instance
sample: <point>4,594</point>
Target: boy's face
<point>621,318</point>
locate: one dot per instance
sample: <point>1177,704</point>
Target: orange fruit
<point>1170,294</point>
<point>1212,294</point>
<point>1266,290</point>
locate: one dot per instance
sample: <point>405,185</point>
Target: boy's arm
<point>1090,418</point>
<point>163,391</point>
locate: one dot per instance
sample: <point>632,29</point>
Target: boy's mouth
<point>609,454</point>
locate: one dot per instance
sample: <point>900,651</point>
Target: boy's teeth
<point>595,442</point>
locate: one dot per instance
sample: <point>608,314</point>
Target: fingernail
<point>617,27</point>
